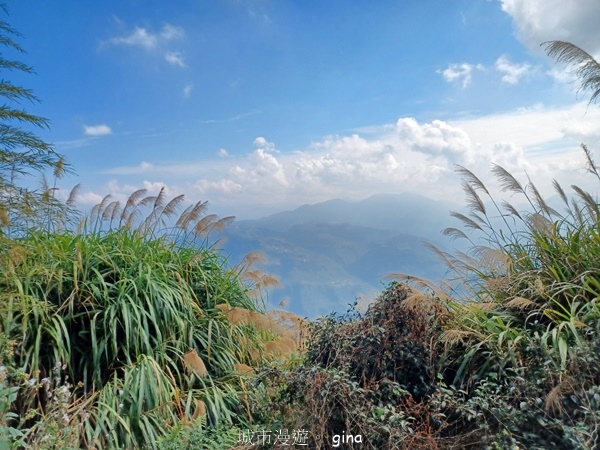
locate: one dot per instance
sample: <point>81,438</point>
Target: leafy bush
<point>362,375</point>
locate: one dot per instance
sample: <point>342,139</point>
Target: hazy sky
<point>261,105</point>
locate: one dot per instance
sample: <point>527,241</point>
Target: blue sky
<point>264,105</point>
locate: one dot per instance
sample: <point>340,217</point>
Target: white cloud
<point>538,21</point>
<point>223,186</point>
<point>511,72</point>
<point>460,73</point>
<point>175,58</point>
<point>187,90</point>
<point>139,37</point>
<point>171,32</point>
<point>97,130</point>
<point>407,156</point>
<point>222,153</point>
<point>142,37</point>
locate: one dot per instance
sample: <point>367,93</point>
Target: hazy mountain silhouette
<point>328,254</point>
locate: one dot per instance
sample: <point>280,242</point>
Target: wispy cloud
<point>187,90</point>
<point>460,73</point>
<point>143,37</point>
<point>175,58</point>
<point>159,42</point>
<point>97,130</point>
<point>511,72</point>
<point>232,118</point>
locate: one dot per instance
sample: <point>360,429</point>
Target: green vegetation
<point>132,331</point>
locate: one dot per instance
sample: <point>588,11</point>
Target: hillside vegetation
<point>127,328</point>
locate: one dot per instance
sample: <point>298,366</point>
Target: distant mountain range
<point>329,254</point>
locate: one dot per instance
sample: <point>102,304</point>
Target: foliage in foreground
<point>503,355</point>
<point>122,319</point>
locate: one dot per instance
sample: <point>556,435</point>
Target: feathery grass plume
<point>471,178</point>
<point>289,324</point>
<point>191,215</point>
<point>455,233</point>
<point>289,342</point>
<point>223,307</point>
<point>539,223</point>
<point>539,200</point>
<point>243,369</point>
<point>131,205</point>
<point>591,205</point>
<point>474,202</point>
<point>200,409</point>
<point>522,303</point>
<point>493,260</point>
<point>467,221</point>
<point>416,301</point>
<point>220,224</point>
<point>511,209</point>
<point>587,68</point>
<point>4,218</point>
<point>96,214</point>
<point>421,283</point>
<point>237,315</point>
<point>205,225</point>
<point>508,183</point>
<point>590,165</point>
<point>553,403</point>
<point>109,211</point>
<point>560,191</point>
<point>173,205</point>
<point>73,195</point>
<point>195,364</point>
<point>159,202</point>
<point>276,349</point>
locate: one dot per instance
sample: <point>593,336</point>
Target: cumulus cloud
<point>538,21</point>
<point>511,72</point>
<point>460,73</point>
<point>405,156</point>
<point>97,130</point>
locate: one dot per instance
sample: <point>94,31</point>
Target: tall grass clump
<point>518,362</point>
<point>125,310</point>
